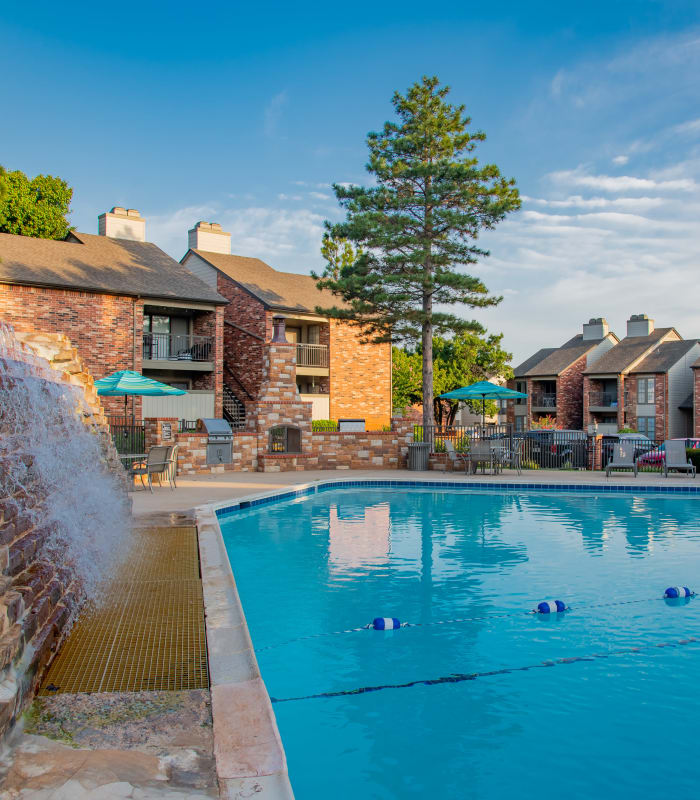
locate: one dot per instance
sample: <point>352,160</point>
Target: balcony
<point>312,359</point>
<point>603,401</point>
<point>180,351</point>
<point>543,401</point>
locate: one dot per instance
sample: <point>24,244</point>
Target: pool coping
<point>248,749</point>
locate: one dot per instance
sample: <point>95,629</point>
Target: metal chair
<point>622,458</point>
<point>480,453</point>
<point>675,458</point>
<point>157,463</point>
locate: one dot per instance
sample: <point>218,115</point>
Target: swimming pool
<point>600,699</point>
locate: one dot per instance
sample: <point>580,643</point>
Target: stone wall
<point>366,450</point>
<point>192,448</point>
<point>38,597</point>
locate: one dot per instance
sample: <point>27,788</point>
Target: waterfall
<point>54,480</point>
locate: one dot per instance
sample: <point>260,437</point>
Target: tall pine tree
<point>417,225</point>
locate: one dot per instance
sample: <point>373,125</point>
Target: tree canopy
<point>34,207</point>
<point>417,225</point>
<point>466,358</point>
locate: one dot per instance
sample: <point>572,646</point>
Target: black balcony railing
<point>602,399</point>
<point>544,400</point>
<point>312,355</point>
<point>177,347</point>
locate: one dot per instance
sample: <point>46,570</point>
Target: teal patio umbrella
<point>127,382</point>
<point>484,390</point>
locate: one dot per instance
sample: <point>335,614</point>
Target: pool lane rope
<point>460,677</point>
<point>455,621</point>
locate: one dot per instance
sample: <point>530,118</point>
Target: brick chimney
<point>122,223</point>
<point>596,328</point>
<point>209,236</point>
<point>640,325</point>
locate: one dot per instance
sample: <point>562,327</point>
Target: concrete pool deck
<point>199,490</point>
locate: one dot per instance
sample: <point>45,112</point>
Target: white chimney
<point>640,325</point>
<point>210,237</point>
<point>596,328</point>
<point>122,223</point>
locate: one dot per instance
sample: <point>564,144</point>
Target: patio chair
<point>623,458</point>
<point>676,458</point>
<point>172,461</point>
<point>157,463</point>
<point>453,454</point>
<point>508,455</point>
<point>480,453</point>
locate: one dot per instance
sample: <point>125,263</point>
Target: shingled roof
<point>562,357</point>
<point>665,356</point>
<point>535,359</point>
<point>619,358</point>
<point>286,291</point>
<point>100,264</point>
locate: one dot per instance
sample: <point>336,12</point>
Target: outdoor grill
<point>220,442</point>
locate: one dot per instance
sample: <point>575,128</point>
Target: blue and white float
<point>385,623</point>
<point>550,607</point>
<point>674,592</point>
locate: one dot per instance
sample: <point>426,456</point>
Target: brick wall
<point>243,344</point>
<point>360,376</point>
<point>104,328</point>
<point>570,396</point>
<point>696,402</point>
<point>211,324</point>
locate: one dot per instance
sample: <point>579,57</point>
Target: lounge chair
<point>623,458</point>
<point>158,463</point>
<point>676,458</point>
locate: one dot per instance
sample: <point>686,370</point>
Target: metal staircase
<point>234,410</point>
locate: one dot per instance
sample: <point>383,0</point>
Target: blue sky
<point>246,113</point>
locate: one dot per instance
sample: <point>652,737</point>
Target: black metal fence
<point>547,449</point>
<point>128,434</point>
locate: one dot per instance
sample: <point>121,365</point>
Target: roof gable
<point>622,356</point>
<point>521,369</point>
<point>287,291</point>
<point>663,357</point>
<point>563,357</point>
<point>90,263</point>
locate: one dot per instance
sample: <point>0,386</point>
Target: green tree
<point>417,225</point>
<point>37,207</point>
<point>339,255</point>
<point>468,357</point>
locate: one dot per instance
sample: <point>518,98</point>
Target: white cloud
<point>320,196</point>
<point>621,183</point>
<point>620,160</point>
<point>691,127</point>
<point>273,114</point>
<point>289,239</point>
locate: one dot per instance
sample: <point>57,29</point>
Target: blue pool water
<point>615,721</point>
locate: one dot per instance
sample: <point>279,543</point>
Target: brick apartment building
<point>336,373</point>
<point>552,378</point>
<point>643,383</point>
<point>125,304</point>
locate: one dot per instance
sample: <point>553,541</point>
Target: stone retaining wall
<point>38,598</point>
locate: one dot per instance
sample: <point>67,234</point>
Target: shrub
<point>321,425</point>
<point>693,457</point>
<point>529,464</point>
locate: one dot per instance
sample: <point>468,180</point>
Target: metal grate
<point>148,633</point>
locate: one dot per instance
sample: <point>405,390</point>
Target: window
<point>520,422</point>
<point>285,439</point>
<point>647,426</point>
<point>521,386</point>
<point>645,390</point>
